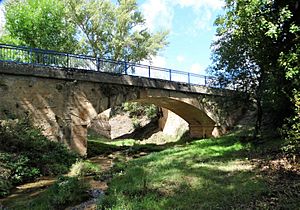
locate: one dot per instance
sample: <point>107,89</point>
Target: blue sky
<point>190,23</point>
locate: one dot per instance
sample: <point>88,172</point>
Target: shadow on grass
<point>103,147</point>
<point>208,174</point>
<point>206,188</point>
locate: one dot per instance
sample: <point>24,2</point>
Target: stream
<point>30,190</point>
<point>25,192</point>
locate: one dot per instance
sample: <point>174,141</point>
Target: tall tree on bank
<point>93,27</point>
<point>114,31</point>
<point>258,51</point>
<point>39,24</point>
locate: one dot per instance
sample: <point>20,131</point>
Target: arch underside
<point>200,124</point>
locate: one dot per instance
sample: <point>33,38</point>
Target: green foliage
<point>99,148</point>
<point>257,51</point>
<point>151,111</point>
<point>84,168</point>
<point>135,122</point>
<point>23,139</point>
<point>98,28</point>
<point>27,154</point>
<point>5,173</point>
<point>292,129</point>
<point>66,191</point>
<point>5,187</point>
<point>19,166</point>
<point>39,24</point>
<point>116,31</point>
<point>136,109</point>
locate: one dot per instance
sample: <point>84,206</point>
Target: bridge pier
<point>78,141</point>
<point>203,131</point>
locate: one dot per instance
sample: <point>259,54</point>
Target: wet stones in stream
<point>95,195</point>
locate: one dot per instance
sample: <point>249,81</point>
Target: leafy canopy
<point>114,31</point>
<point>258,52</point>
<point>39,24</point>
<point>95,27</point>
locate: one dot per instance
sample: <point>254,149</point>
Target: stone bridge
<point>63,102</point>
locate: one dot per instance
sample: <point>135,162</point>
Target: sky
<point>190,23</point>
<point>191,31</point>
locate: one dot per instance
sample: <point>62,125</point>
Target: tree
<point>254,38</point>
<point>39,24</point>
<point>114,31</point>
<point>93,27</point>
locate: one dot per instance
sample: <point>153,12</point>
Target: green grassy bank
<point>206,174</point>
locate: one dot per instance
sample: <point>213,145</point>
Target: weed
<point>66,191</point>
<point>83,168</point>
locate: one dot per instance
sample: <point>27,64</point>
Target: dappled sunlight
<point>233,166</point>
<point>203,174</point>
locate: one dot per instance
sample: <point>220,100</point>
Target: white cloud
<point>202,21</point>
<point>158,61</point>
<point>180,58</point>
<point>158,14</point>
<point>213,4</point>
<point>197,69</point>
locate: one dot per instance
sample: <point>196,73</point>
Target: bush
<point>21,138</point>
<point>5,183</point>
<point>19,168</point>
<point>27,154</point>
<point>291,130</point>
<point>66,191</point>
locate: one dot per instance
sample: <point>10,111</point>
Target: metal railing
<point>39,57</point>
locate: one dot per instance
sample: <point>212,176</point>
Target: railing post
<point>68,66</point>
<point>149,71</point>
<point>189,78</point>
<point>30,56</point>
<point>170,72</point>
<point>43,58</point>
<point>125,71</point>
<point>98,63</point>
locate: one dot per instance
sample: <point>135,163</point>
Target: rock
<point>95,193</point>
<point>90,204</point>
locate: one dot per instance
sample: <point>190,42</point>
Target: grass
<point>64,192</point>
<point>205,174</point>
<point>100,146</point>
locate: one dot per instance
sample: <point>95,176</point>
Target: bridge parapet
<point>39,57</point>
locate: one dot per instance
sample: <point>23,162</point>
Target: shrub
<point>26,154</point>
<point>32,148</point>
<point>19,168</point>
<point>66,191</point>
<point>5,183</point>
<point>291,130</point>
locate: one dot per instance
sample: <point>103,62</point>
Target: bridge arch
<point>200,124</point>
